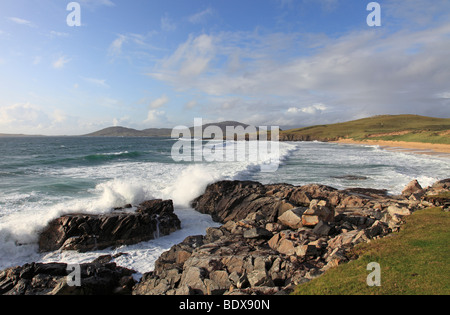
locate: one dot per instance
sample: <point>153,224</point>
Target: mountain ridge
<point>120,131</point>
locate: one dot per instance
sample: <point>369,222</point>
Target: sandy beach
<point>402,146</point>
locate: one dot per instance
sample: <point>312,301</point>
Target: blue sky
<point>290,63</point>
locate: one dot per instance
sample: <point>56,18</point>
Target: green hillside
<point>411,128</point>
<point>414,261</point>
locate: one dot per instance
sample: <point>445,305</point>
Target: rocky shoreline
<point>272,238</point>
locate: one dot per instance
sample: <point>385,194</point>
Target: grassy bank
<point>415,261</point>
<point>410,128</point>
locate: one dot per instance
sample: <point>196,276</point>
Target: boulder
<point>292,218</point>
<point>412,188</point>
<point>322,229</point>
<point>235,200</point>
<point>442,184</point>
<point>257,232</point>
<point>86,232</point>
<point>286,247</point>
<point>319,210</point>
<point>396,210</point>
<point>306,250</point>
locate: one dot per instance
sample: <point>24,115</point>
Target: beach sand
<point>402,146</point>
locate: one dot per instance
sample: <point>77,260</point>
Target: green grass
<point>415,261</point>
<point>416,128</point>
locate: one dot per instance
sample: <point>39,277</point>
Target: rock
<point>257,232</point>
<point>300,197</point>
<point>234,200</point>
<point>273,242</point>
<point>318,211</point>
<point>322,229</point>
<point>442,184</point>
<point>286,247</point>
<point>221,278</point>
<point>306,250</point>
<point>157,206</point>
<point>85,232</point>
<point>292,218</point>
<point>310,220</point>
<point>412,188</point>
<point>395,210</point>
<point>258,278</point>
<point>193,278</point>
<point>51,279</point>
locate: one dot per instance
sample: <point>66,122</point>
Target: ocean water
<point>44,178</point>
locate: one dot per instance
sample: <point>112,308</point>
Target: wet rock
<point>52,279</point>
<point>85,232</point>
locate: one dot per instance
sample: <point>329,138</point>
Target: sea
<point>43,178</point>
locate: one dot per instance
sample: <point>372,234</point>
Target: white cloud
<point>160,102</point>
<point>21,21</point>
<point>137,46</point>
<point>191,59</point>
<point>60,62</point>
<point>21,114</point>
<point>116,46</point>
<point>359,72</point>
<point>155,116</point>
<point>58,34</point>
<point>167,24</point>
<point>191,104</point>
<point>97,82</point>
<point>201,16</point>
<point>58,116</point>
<point>312,110</point>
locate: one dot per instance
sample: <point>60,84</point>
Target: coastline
<point>275,238</point>
<point>442,150</point>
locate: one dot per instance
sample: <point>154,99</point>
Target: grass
<point>411,128</point>
<point>415,261</point>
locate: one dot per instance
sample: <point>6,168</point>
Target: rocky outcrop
<point>52,279</point>
<point>85,232</point>
<point>257,256</point>
<point>274,237</point>
<point>234,200</point>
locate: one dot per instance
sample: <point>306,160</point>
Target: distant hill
<point>410,128</point>
<point>129,132</point>
<point>157,132</point>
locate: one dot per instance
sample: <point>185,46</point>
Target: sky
<point>154,63</point>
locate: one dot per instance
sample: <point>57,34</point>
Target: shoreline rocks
<point>51,279</point>
<point>272,238</point>
<point>86,232</point>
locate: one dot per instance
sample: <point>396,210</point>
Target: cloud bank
<point>358,74</point>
